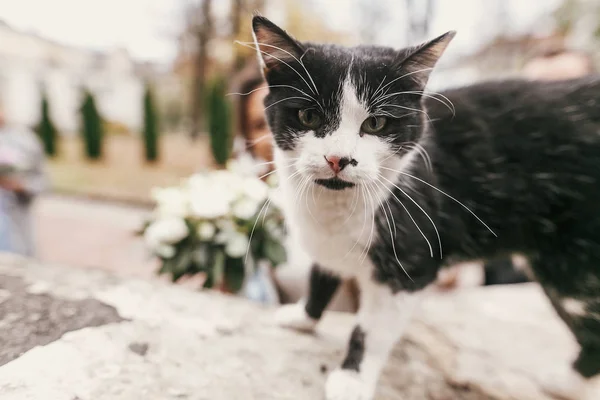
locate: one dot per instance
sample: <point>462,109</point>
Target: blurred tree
<point>241,10</point>
<point>307,25</point>
<point>219,121</point>
<point>200,26</point>
<point>420,14</point>
<point>371,19</point>
<point>91,127</point>
<point>46,129</point>
<point>151,127</point>
<point>172,114</point>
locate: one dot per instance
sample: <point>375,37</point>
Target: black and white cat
<point>378,191</point>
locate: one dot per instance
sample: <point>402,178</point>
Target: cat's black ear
<point>418,61</point>
<point>275,47</point>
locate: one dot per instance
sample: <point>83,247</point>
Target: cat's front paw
<point>294,316</point>
<point>343,384</point>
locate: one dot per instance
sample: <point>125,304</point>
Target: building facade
<point>30,63</point>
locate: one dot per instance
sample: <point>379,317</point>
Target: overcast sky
<point>148,28</point>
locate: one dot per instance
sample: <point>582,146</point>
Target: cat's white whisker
<point>267,174</point>
<point>299,62</point>
<point>276,58</point>
<point>309,186</point>
<point>252,232</point>
<point>407,108</point>
<point>362,229</point>
<point>282,100</point>
<point>445,194</point>
<point>424,154</point>
<point>411,218</point>
<point>267,210</point>
<point>400,77</point>
<point>354,204</point>
<point>378,88</point>
<point>273,87</point>
<point>422,210</point>
<point>393,241</point>
<point>365,252</point>
<point>431,95</point>
<point>258,140</point>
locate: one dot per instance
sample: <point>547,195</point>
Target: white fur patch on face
<point>574,307</point>
<point>345,141</point>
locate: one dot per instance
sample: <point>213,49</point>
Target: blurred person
<point>254,137</point>
<point>558,64</point>
<point>22,178</point>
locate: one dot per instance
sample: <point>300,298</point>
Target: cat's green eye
<point>373,124</point>
<point>310,118</point>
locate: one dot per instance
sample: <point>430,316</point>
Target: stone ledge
<point>172,343</point>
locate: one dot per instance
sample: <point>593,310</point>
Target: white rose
<point>166,230</point>
<point>227,183</point>
<point>209,205</point>
<point>255,189</point>
<point>226,230</point>
<point>200,182</point>
<point>172,201</point>
<point>237,245</point>
<point>165,251</point>
<point>245,208</point>
<point>206,231</point>
<point>221,237</point>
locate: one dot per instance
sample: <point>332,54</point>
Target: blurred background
<point>123,96</point>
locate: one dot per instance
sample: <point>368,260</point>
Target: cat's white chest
<point>334,230</point>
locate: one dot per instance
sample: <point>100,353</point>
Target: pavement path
<point>87,233</point>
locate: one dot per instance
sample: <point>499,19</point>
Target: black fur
<point>525,158</point>
<point>501,271</point>
<point>322,287</point>
<point>356,350</point>
<point>334,183</point>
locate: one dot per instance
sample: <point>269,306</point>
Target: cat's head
<point>338,114</point>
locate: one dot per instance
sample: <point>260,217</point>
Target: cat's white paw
<point>294,316</point>
<point>343,384</point>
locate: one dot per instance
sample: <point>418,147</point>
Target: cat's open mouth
<point>334,183</point>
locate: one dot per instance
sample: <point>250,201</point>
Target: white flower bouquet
<point>221,223</point>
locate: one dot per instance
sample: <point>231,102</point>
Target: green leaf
<point>234,274</point>
<point>179,265</point>
<point>218,269</point>
<point>210,280</point>
<point>275,252</point>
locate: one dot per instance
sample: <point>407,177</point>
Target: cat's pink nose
<point>334,163</point>
<point>339,163</point>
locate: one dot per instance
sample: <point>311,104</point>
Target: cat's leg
<point>587,330</point>
<point>578,305</point>
<point>581,381</point>
<point>305,314</point>
<point>381,321</point>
